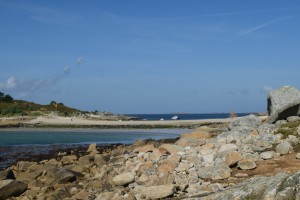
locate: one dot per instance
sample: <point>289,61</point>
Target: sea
<point>184,116</point>
<point>18,144</point>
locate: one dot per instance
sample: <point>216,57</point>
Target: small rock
<point>293,118</point>
<point>283,148</point>
<point>64,175</point>
<point>247,164</point>
<point>10,188</point>
<point>158,192</point>
<point>145,149</point>
<point>298,155</point>
<point>123,179</point>
<point>267,155</point>
<point>241,175</point>
<point>214,172</point>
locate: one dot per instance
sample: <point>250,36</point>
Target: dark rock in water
<point>283,102</point>
<point>10,188</point>
<point>7,174</point>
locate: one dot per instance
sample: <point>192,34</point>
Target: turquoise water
<point>42,137</point>
<point>16,144</point>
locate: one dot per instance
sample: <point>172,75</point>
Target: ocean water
<point>185,116</point>
<point>21,144</point>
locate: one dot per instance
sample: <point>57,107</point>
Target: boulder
<point>247,164</point>
<point>92,149</point>
<point>197,134</point>
<point>24,165</point>
<point>249,122</point>
<point>10,188</point>
<point>145,149</point>
<point>232,157</point>
<point>64,175</point>
<point>214,172</point>
<point>67,160</point>
<point>7,174</point>
<point>123,179</point>
<point>283,148</point>
<point>170,149</point>
<point>158,192</point>
<point>293,118</point>
<point>283,103</point>
<point>228,147</point>
<point>190,142</point>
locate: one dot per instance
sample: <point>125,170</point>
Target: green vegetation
<point>289,128</point>
<point>11,107</point>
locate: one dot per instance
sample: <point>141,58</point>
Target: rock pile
<point>193,166</point>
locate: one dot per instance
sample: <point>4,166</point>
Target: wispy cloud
<point>222,14</point>
<point>25,87</point>
<point>45,14</point>
<point>268,23</point>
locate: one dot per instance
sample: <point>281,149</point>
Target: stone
<point>267,128</point>
<point>267,155</point>
<point>7,174</point>
<point>228,147</point>
<point>155,155</point>
<point>100,160</point>
<point>250,121</point>
<point>232,157</point>
<point>298,155</point>
<point>86,161</point>
<point>192,142</point>
<point>241,175</point>
<point>10,188</point>
<point>283,103</point>
<point>293,118</point>
<point>283,148</point>
<point>246,164</point>
<point>67,160</point>
<point>24,165</point>
<point>214,172</point>
<point>298,130</point>
<point>158,192</point>
<point>170,149</point>
<point>64,175</point>
<point>123,179</point>
<point>197,134</point>
<point>145,149</point>
<point>92,149</point>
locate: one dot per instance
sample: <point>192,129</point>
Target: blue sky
<point>155,56</point>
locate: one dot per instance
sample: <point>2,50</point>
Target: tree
<point>1,96</point>
<point>7,98</point>
<point>53,102</point>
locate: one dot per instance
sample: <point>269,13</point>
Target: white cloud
<point>9,84</point>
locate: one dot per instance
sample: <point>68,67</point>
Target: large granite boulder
<point>282,103</point>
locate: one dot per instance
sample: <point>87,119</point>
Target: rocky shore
<point>248,159</point>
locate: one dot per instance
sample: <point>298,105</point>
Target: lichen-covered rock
<point>214,172</point>
<point>10,188</point>
<point>283,103</point>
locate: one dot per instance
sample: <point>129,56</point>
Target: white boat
<point>161,119</point>
<point>175,117</point>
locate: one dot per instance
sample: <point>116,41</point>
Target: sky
<point>142,56</point>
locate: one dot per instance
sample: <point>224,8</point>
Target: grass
<point>289,128</point>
